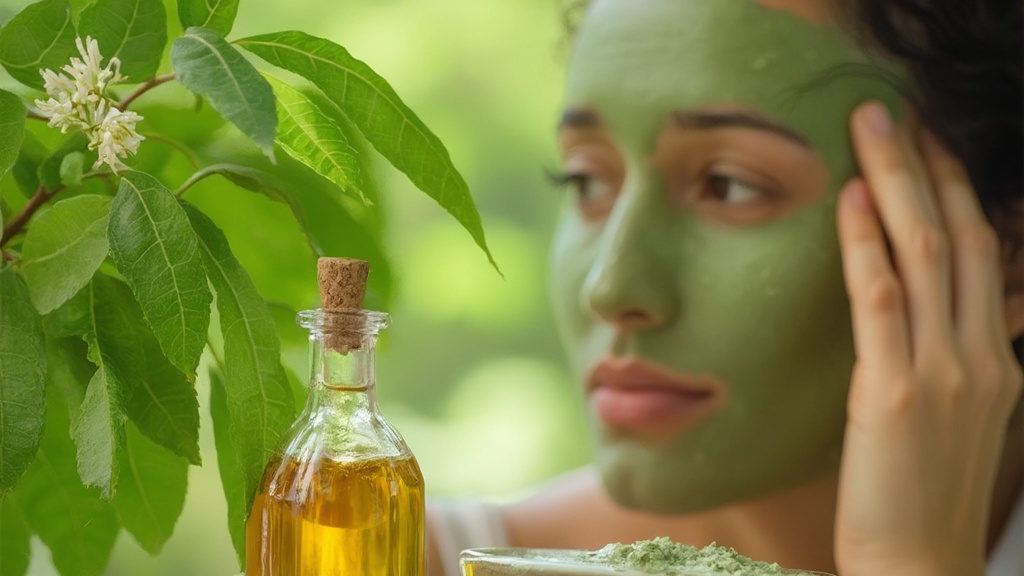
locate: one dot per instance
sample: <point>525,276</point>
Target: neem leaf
<point>207,65</point>
<point>41,36</point>
<point>26,168</point>
<point>227,463</point>
<point>156,250</point>
<point>311,137</point>
<point>79,528</point>
<point>12,129</point>
<point>268,184</point>
<point>99,428</point>
<point>330,225</point>
<point>134,31</point>
<point>374,107</point>
<point>217,15</point>
<point>159,399</point>
<point>259,399</point>
<point>69,369</point>
<point>163,402</point>
<point>15,539</point>
<point>49,171</point>
<point>64,248</point>
<point>22,379</point>
<point>151,491</point>
<point>71,169</point>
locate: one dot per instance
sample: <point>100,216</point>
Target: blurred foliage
<point>471,370</point>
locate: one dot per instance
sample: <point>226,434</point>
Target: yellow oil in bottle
<point>328,518</point>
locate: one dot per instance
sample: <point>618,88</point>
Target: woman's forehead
<point>817,11</point>
<point>636,62</point>
<point>699,51</point>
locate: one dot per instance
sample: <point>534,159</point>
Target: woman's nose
<point>631,282</point>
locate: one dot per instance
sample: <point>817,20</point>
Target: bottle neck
<point>342,369</point>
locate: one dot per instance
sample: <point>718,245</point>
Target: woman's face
<point>696,273</point>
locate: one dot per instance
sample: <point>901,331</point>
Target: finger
<point>880,330</point>
<point>977,278</point>
<point>911,220</point>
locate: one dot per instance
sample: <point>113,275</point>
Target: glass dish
<point>550,562</point>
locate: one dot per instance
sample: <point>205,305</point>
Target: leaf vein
<point>163,250</point>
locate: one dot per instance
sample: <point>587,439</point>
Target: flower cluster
<point>79,99</point>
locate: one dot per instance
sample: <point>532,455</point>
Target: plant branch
<point>37,116</point>
<point>196,177</point>
<point>146,87</point>
<point>17,223</point>
<point>42,196</point>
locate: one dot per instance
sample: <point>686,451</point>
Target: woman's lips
<point>631,393</point>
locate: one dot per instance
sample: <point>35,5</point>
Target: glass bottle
<point>345,496</point>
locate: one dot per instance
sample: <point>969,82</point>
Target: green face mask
<point>641,271</point>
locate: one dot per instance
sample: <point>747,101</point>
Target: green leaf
<point>330,226</point>
<point>71,169</point>
<point>12,129</point>
<point>386,122</point>
<point>217,15</point>
<point>242,176</point>
<point>259,399</point>
<point>151,491</point>
<point>49,173</point>
<point>311,137</point>
<point>99,429</point>
<point>78,527</point>
<point>159,399</point>
<point>40,36</point>
<point>134,31</point>
<point>227,463</point>
<point>163,403</point>
<point>22,379</point>
<point>64,248</point>
<point>69,369</point>
<point>15,539</point>
<point>70,319</point>
<point>156,250</point>
<point>207,65</point>
<point>26,167</point>
<point>266,183</point>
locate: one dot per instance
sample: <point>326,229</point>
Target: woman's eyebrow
<point>704,120</point>
<point>579,118</point>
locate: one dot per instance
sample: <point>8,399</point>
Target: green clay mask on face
<point>662,259</point>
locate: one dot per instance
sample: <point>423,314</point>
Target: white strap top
<point>457,525</point>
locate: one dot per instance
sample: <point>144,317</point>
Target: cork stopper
<point>342,283</point>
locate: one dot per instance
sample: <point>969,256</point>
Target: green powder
<point>665,557</point>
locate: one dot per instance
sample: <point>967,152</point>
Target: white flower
<point>79,99</point>
<point>115,137</point>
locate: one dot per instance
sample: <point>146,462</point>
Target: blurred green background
<point>471,371</point>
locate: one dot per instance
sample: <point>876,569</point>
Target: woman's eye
<point>732,191</point>
<point>593,195</point>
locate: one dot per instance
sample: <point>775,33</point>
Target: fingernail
<point>877,117</point>
<point>856,194</point>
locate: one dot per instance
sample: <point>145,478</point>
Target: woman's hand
<point>935,379</point>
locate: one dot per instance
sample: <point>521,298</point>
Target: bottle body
<point>345,495</point>
<point>334,518</point>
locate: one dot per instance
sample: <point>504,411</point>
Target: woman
<point>721,271</point>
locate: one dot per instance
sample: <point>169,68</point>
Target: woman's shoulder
<point>550,515</point>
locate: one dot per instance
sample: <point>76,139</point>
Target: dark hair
<point>964,59</point>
